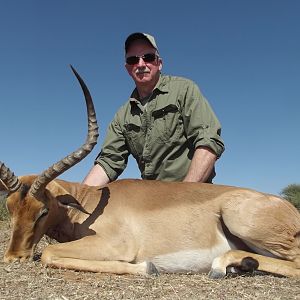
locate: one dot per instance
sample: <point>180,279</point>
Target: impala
<point>146,227</point>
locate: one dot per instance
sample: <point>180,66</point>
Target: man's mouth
<point>139,72</point>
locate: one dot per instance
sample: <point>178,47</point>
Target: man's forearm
<point>201,166</point>
<point>96,177</point>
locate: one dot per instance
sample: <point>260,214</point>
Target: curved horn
<point>9,178</point>
<point>72,159</point>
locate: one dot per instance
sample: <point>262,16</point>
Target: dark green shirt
<point>163,134</point>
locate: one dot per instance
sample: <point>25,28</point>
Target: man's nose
<point>141,62</point>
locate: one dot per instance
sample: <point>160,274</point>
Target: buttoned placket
<point>146,127</point>
<point>145,161</point>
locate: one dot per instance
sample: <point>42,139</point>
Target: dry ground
<point>33,281</point>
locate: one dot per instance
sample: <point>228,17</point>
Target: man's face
<point>142,72</point>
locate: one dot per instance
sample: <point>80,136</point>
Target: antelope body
<point>145,227</point>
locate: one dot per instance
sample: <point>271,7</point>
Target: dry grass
<point>4,216</point>
<point>33,281</point>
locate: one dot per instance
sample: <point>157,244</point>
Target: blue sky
<point>244,55</point>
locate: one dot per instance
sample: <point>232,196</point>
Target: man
<point>167,125</point>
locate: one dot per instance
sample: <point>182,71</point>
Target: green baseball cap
<point>140,36</point>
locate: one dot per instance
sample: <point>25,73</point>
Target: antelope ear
<point>63,197</point>
<point>56,189</point>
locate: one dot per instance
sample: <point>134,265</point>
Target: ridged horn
<point>40,183</point>
<point>10,180</point>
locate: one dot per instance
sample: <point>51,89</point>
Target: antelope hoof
<point>151,269</point>
<point>216,274</point>
<point>249,264</point>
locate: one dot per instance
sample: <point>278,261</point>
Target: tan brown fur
<point>180,227</point>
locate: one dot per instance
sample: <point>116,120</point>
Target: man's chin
<point>142,75</point>
<point>143,78</point>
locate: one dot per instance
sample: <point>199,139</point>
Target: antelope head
<point>30,198</point>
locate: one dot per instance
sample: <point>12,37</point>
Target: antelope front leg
<point>90,254</point>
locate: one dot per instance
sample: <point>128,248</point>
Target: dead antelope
<point>144,227</point>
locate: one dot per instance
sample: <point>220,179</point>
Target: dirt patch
<point>31,280</point>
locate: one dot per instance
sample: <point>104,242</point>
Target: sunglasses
<point>149,57</point>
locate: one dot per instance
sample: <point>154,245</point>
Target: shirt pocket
<point>135,139</point>
<point>167,124</point>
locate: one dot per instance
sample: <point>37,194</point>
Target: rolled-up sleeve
<point>114,154</point>
<point>201,125</point>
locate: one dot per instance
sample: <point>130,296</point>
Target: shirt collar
<point>160,88</point>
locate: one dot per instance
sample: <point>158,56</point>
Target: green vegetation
<point>292,194</point>
<point>4,215</point>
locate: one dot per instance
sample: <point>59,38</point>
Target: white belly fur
<point>191,261</point>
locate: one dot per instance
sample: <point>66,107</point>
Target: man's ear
<point>128,68</point>
<point>160,64</point>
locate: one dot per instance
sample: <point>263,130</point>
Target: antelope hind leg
<point>250,262</point>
